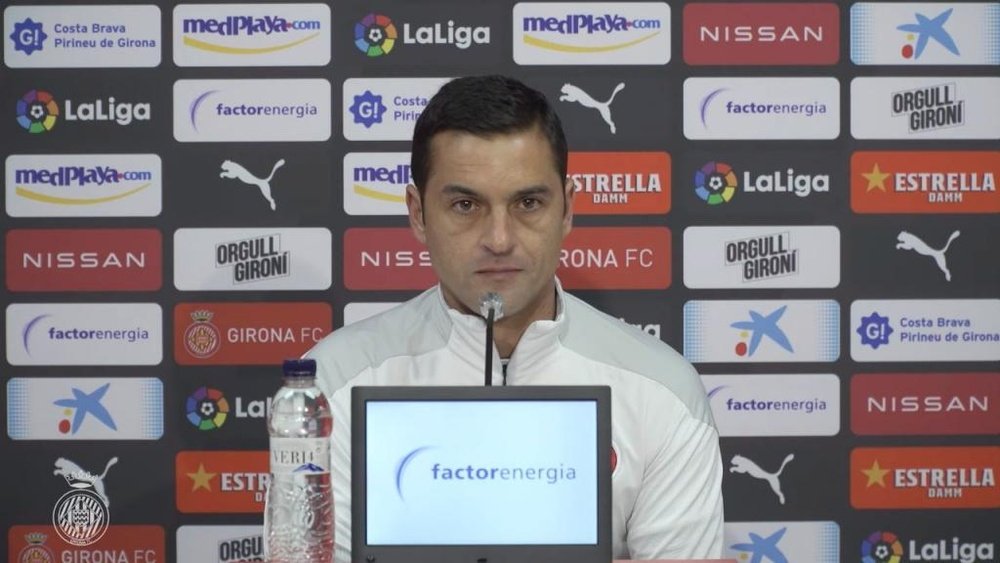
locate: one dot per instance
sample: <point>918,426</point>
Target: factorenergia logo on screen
<point>592,33</point>
<point>252,259</point>
<point>252,110</point>
<point>251,35</point>
<point>925,107</point>
<point>82,36</point>
<point>429,472</point>
<point>924,33</point>
<point>61,408</point>
<point>84,334</point>
<point>762,108</point>
<point>84,185</point>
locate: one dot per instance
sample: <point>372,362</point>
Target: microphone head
<point>491,300</point>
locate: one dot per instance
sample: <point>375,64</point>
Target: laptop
<point>481,474</point>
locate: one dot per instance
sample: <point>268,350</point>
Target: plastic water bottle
<point>298,512</point>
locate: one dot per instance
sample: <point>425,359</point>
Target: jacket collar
<point>466,335</point>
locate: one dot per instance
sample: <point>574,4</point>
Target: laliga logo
<point>37,111</point>
<point>375,35</point>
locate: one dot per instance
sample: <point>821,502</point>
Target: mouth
<point>498,273</point>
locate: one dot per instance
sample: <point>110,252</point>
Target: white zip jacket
<point>667,479</point>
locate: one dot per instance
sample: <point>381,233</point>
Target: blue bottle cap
<point>299,367</point>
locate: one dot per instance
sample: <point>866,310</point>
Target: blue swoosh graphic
<point>27,329</point>
<point>402,465</point>
<point>197,102</point>
<point>716,390</point>
<point>708,99</point>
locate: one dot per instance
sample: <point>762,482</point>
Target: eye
<point>530,203</point>
<point>463,205</point>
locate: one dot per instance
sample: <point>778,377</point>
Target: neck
<point>507,331</point>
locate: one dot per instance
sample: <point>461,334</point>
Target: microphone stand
<point>489,347</point>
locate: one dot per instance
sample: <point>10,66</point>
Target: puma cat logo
<point>571,93</point>
<point>73,472</point>
<point>910,241</point>
<point>231,169</point>
<point>741,464</point>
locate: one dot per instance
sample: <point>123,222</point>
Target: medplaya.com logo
<point>252,110</point>
<point>252,35</point>
<point>38,111</point>
<point>98,185</point>
<point>592,33</point>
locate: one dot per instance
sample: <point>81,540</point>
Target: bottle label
<point>303,456</point>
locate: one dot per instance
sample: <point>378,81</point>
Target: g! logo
<point>37,111</point>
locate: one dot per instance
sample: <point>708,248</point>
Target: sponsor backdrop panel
<point>195,190</point>
<point>731,183</point>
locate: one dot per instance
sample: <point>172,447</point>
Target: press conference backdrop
<point>801,197</point>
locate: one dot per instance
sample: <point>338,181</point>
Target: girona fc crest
<point>36,551</point>
<point>202,338</point>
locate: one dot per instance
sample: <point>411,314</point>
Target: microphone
<point>491,307</point>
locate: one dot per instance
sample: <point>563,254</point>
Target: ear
<point>415,209</point>
<point>569,191</point>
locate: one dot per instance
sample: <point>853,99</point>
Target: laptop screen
<point>469,466</point>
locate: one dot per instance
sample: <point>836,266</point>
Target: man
<point>492,202</point>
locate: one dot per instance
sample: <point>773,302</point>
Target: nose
<point>498,236</point>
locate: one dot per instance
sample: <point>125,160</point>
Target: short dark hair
<point>484,106</point>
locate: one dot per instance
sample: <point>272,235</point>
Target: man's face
<point>493,217</point>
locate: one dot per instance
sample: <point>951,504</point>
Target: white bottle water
<point>298,513</point>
